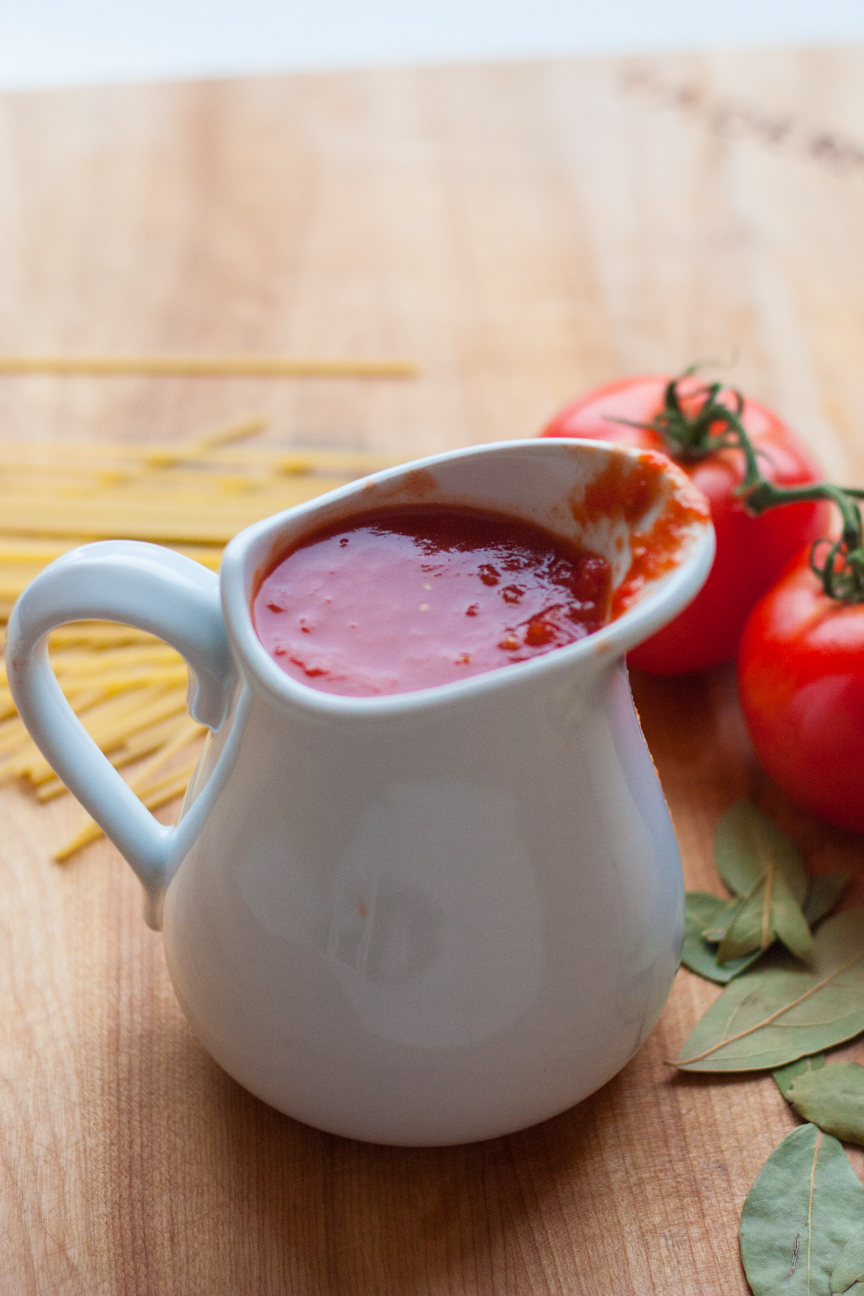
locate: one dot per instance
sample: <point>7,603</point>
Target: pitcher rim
<point>605,646</point>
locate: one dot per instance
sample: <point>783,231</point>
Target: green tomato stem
<point>715,426</point>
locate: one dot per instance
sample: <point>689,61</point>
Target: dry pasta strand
<point>127,687</point>
<point>160,738</point>
<point>192,366</point>
<point>225,436</point>
<point>158,794</point>
<point>187,732</point>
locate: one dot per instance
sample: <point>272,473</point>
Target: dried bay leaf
<point>700,909</point>
<point>763,867</point>
<point>750,927</point>
<point>831,1097</point>
<point>745,841</point>
<point>775,1015</point>
<point>719,925</point>
<point>789,923</point>
<point>807,1203</point>
<point>847,1276</point>
<point>767,913</point>
<point>823,894</point>
<point>715,932</point>
<point>784,1076</point>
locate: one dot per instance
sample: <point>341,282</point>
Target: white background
<point>68,42</point>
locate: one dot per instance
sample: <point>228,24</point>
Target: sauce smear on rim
<point>414,596</point>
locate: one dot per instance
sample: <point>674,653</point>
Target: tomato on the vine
<point>752,551</point>
<point>801,683</point>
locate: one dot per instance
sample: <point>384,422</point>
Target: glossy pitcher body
<point>435,932</point>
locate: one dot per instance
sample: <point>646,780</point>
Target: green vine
<point>714,426</point>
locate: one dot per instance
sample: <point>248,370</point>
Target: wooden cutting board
<point>521,232</point>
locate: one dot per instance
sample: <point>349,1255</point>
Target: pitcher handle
<point>142,585</point>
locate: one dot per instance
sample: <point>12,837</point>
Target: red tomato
<point>752,552</point>
<point>801,682</point>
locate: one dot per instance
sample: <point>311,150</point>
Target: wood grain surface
<point>521,232</point>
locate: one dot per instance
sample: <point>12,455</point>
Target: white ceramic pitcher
<point>423,918</point>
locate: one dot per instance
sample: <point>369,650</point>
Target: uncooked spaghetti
<point>127,687</point>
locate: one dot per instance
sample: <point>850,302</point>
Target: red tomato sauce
<point>410,597</point>
<point>657,550</point>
